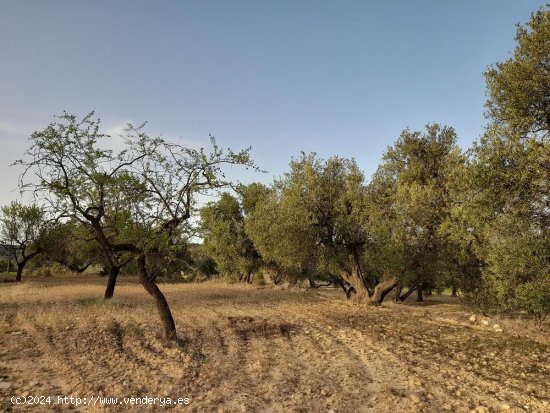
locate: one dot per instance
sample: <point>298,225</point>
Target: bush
<point>49,270</point>
<point>4,266</point>
<point>534,297</point>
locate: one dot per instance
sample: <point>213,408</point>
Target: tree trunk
<point>419,297</point>
<point>111,282</point>
<point>398,293</point>
<point>311,281</point>
<point>80,270</point>
<point>429,292</point>
<point>454,291</point>
<point>409,292</point>
<point>19,274</point>
<point>381,290</point>
<point>162,305</point>
<point>358,285</point>
<point>348,289</point>
<point>355,279</point>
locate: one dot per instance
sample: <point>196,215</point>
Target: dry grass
<point>246,349</point>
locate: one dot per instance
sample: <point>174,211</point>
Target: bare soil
<point>250,349</point>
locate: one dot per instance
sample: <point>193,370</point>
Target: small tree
<point>226,240</point>
<point>135,201</point>
<point>23,229</point>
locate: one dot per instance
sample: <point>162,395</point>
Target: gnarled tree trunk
<point>359,286</point>
<point>398,291</point>
<point>348,289</point>
<point>381,290</point>
<point>355,279</point>
<point>152,288</point>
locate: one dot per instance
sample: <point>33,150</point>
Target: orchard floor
<point>250,349</point>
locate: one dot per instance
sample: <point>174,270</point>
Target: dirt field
<point>248,349</point>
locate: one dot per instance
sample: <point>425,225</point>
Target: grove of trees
<point>432,216</point>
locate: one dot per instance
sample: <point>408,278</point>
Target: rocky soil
<point>247,349</point>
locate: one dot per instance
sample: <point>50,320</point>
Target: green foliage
<point>71,244</point>
<point>533,297</point>
<point>519,87</point>
<point>501,212</point>
<point>409,203</point>
<point>22,230</point>
<point>225,238</point>
<point>314,218</point>
<point>138,200</point>
<point>5,265</point>
<point>508,212</point>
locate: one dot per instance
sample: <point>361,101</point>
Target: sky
<point>331,77</point>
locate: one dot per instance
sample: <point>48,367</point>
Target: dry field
<point>249,349</point>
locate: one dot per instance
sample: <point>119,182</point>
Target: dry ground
<point>247,349</point>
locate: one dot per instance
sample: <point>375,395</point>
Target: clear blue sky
<point>334,77</point>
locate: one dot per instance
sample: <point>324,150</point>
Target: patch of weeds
<point>89,302</point>
<point>119,305</point>
<point>248,327</point>
<point>115,329</point>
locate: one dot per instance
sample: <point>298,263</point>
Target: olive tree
<point>410,203</point>
<point>519,87</point>
<point>503,217</point>
<point>317,217</point>
<point>225,239</point>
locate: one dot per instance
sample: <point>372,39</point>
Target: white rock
<point>473,319</point>
<point>414,398</point>
<point>496,326</point>
<point>485,322</point>
<point>4,385</point>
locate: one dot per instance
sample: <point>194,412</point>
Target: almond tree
<point>22,231</point>
<point>135,201</point>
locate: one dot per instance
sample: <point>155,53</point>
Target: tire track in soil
<point>469,389</point>
<point>332,372</point>
<point>225,373</point>
<point>384,384</point>
<point>25,359</point>
<point>107,370</point>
